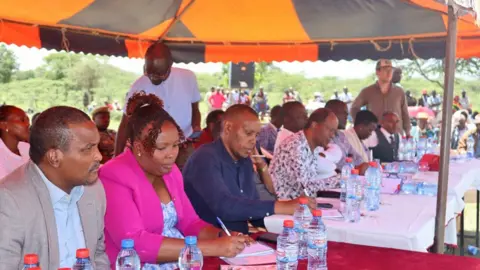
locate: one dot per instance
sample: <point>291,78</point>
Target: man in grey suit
<point>54,204</point>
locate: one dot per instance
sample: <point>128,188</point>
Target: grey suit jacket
<point>27,221</point>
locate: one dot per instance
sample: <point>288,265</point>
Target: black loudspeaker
<point>242,75</point>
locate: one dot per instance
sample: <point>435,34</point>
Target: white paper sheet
<point>256,249</point>
<point>331,214</point>
<point>254,254</point>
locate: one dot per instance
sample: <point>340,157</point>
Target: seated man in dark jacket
<point>385,140</point>
<point>219,177</point>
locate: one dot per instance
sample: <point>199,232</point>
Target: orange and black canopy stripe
<point>241,30</point>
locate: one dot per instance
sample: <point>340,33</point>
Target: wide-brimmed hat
<point>422,115</point>
<point>103,109</point>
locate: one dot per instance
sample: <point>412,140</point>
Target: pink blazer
<point>134,210</point>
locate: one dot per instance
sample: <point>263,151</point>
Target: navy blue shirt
<point>219,186</point>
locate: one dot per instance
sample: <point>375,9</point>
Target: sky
<point>32,58</point>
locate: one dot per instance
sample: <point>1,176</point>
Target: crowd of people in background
<point>163,177</point>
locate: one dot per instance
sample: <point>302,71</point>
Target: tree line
<point>77,80</point>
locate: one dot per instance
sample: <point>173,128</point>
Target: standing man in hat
<point>106,146</point>
<point>383,96</point>
<point>176,87</point>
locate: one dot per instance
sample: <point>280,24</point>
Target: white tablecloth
<point>404,221</point>
<point>462,177</point>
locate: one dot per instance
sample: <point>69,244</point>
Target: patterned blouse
<point>295,167</point>
<point>170,219</point>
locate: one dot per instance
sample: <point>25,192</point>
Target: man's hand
<point>362,168</point>
<point>288,207</point>
<point>257,160</point>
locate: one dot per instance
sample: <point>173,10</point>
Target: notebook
<point>256,249</point>
<point>254,254</point>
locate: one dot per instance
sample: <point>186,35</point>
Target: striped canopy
<point>239,30</point>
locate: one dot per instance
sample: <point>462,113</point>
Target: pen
<point>259,156</point>
<point>223,226</point>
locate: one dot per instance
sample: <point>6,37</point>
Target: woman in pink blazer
<point>146,201</point>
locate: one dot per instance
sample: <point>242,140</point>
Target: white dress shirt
<point>372,141</point>
<point>10,161</point>
<point>357,144</point>
<point>178,93</point>
<point>67,219</point>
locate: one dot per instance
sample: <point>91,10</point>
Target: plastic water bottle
<point>421,148</point>
<point>127,258</point>
<point>287,247</point>
<point>346,170</point>
<point>428,189</point>
<point>372,187</point>
<point>83,261</point>
<point>352,209</point>
<point>302,218</point>
<point>30,261</point>
<point>191,257</point>
<point>317,243</point>
<point>470,147</point>
<point>409,150</point>
<point>402,147</point>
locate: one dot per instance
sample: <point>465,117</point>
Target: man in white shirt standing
<point>176,87</point>
<point>384,141</point>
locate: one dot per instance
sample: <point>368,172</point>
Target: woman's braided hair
<point>146,111</point>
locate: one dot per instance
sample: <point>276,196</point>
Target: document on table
<point>254,254</point>
<point>331,214</point>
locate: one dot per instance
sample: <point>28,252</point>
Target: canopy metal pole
<point>450,57</point>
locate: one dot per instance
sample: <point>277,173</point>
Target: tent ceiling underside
<point>244,30</point>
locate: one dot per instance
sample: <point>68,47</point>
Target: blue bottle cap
<point>128,243</point>
<point>191,240</point>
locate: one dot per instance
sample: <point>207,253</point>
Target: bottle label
<point>317,241</point>
<point>288,254</point>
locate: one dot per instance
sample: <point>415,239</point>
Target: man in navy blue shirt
<point>219,177</point>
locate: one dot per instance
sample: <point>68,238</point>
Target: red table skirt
<point>348,256</point>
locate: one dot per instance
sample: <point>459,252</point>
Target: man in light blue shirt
<point>69,226</point>
<point>54,205</point>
